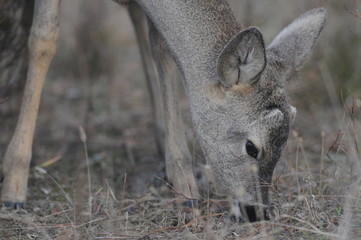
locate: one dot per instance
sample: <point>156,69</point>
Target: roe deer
<point>236,89</point>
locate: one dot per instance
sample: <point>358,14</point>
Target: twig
<point>83,139</point>
<point>123,236</point>
<point>43,171</point>
<point>176,191</point>
<point>335,236</point>
<point>190,223</point>
<point>51,161</point>
<point>356,13</point>
<point>123,192</point>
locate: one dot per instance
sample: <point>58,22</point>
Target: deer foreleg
<point>178,159</point>
<point>42,45</point>
<point>140,25</point>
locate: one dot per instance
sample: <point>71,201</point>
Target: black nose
<point>250,212</point>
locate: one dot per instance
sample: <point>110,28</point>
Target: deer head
<point>246,125</point>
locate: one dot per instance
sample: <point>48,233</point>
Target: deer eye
<point>251,149</point>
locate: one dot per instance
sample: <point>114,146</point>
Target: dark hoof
<point>14,205</point>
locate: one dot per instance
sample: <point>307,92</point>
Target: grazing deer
<point>236,88</point>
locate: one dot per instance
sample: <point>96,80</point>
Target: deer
<point>235,84</point>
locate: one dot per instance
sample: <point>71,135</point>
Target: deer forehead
<point>255,100</point>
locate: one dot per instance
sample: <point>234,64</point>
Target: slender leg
<point>140,25</point>
<point>178,158</point>
<point>42,45</point>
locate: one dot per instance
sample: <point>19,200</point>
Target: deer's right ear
<point>295,43</point>
<point>243,59</point>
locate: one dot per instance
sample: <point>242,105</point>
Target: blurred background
<point>96,81</point>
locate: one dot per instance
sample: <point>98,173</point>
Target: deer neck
<point>195,32</point>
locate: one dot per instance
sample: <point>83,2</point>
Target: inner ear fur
<point>274,117</point>
<point>243,58</point>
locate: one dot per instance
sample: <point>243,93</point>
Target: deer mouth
<point>248,213</point>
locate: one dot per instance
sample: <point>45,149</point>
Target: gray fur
<point>231,104</point>
<point>295,43</point>
<point>236,90</point>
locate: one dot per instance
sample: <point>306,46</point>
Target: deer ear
<point>295,43</point>
<point>243,58</point>
<point>293,113</point>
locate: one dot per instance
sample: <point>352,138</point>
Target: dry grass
<point>107,182</point>
<point>309,203</point>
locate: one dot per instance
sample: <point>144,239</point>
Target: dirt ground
<point>96,85</point>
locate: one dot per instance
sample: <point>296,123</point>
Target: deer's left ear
<point>243,59</point>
